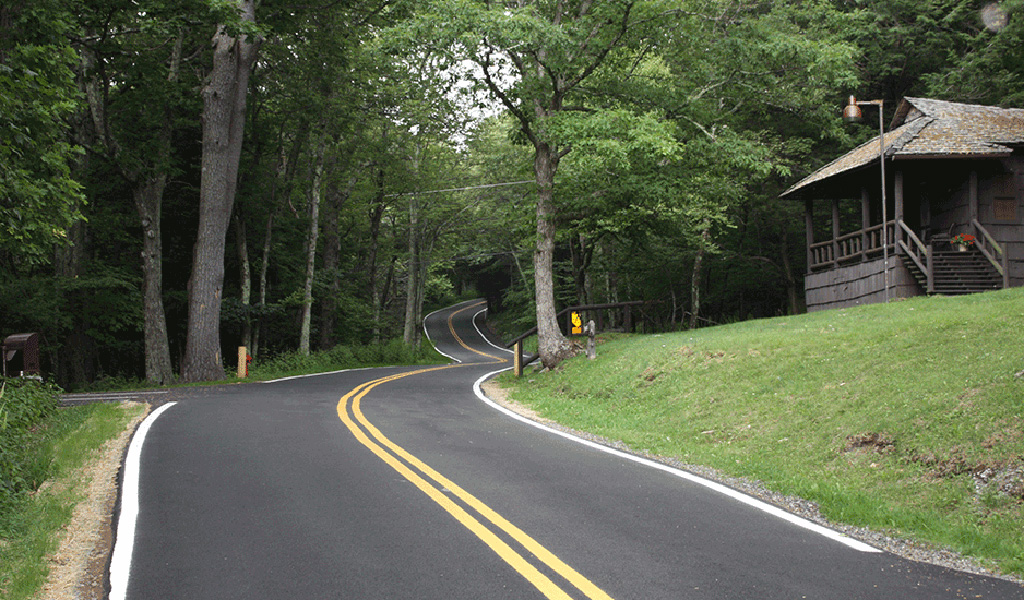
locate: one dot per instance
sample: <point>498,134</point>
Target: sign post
<point>517,358</point>
<point>243,362</point>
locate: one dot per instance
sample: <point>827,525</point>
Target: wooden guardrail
<point>587,310</point>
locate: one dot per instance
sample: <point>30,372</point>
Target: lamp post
<point>852,114</point>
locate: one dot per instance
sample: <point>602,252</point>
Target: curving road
<point>402,483</point>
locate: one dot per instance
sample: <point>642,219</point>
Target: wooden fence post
<point>243,362</point>
<point>591,331</point>
<point>517,358</point>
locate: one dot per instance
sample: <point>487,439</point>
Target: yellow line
<point>513,558</point>
<point>459,339</point>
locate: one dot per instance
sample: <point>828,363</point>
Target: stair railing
<point>918,252</point>
<point>992,251</point>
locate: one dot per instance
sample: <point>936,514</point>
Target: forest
<point>182,177</point>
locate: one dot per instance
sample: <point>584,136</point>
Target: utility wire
<point>462,189</point>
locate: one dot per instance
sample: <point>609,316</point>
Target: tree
<point>39,198</point>
<point>134,93</point>
<point>235,46</point>
<point>537,58</point>
<point>989,67</point>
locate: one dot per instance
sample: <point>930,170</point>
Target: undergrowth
<point>395,352</point>
<point>27,409</point>
<point>41,443</point>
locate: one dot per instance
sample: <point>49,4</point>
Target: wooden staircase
<point>957,273</point>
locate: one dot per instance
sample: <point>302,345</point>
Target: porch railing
<point>992,251</point>
<point>867,244</point>
<point>918,252</point>
<point>850,248</point>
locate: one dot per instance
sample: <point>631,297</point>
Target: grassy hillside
<point>905,417</point>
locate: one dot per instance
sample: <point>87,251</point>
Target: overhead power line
<point>461,189</point>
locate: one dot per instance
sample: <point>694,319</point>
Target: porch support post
<point>865,221</point>
<point>972,199</point>
<point>836,231</point>
<point>898,217</point>
<point>809,222</point>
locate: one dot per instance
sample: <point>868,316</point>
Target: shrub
<point>394,352</point>
<point>24,406</point>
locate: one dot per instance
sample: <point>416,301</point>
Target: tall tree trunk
<point>373,287</point>
<point>149,195</point>
<point>315,191</point>
<point>413,274</point>
<point>552,346</point>
<point>331,259</point>
<point>582,256</point>
<point>264,262</point>
<point>244,279</point>
<point>223,124</point>
<point>793,301</point>
<point>331,256</point>
<point>695,281</point>
<point>148,201</point>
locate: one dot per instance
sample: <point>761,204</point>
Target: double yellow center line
<point>473,514</point>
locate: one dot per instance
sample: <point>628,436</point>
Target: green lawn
<point>31,526</point>
<point>906,418</point>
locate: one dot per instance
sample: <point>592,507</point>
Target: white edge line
<point>712,485</point>
<point>486,339</point>
<point>427,332</point>
<point>124,540</point>
<point>291,377</point>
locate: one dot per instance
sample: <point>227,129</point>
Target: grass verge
<point>904,418</point>
<point>31,525</point>
<point>287,364</point>
<point>392,353</point>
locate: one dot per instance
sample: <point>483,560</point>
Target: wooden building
<point>950,169</point>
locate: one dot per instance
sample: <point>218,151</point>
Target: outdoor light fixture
<point>852,114</point>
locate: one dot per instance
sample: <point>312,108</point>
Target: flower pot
<point>961,247</point>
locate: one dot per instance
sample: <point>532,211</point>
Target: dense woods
<point>181,177</point>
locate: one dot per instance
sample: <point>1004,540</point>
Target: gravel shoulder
<point>78,568</point>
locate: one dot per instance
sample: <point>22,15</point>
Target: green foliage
<point>988,64</point>
<point>671,118</point>
<point>25,406</point>
<point>31,525</point>
<point>104,307</point>
<point>340,357</point>
<point>39,198</point>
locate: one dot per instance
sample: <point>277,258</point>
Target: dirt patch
<point>78,567</point>
<point>870,442</point>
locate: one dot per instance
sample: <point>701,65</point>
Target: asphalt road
<point>400,483</point>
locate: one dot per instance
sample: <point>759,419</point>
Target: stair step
<point>957,273</point>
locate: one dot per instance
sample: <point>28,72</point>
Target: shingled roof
<point>925,128</point>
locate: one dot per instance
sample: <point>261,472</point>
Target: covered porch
<point>848,258</point>
<point>945,175</point>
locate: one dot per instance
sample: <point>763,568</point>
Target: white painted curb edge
<point>427,332</point>
<point>124,541</point>
<point>712,485</point>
